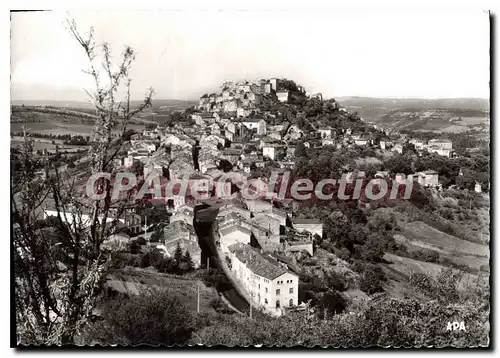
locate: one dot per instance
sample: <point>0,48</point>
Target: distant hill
<point>157,103</point>
<point>53,103</point>
<point>439,115</point>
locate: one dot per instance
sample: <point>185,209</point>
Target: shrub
<point>443,288</point>
<point>217,279</point>
<point>372,279</point>
<point>331,302</point>
<point>135,248</point>
<point>140,241</point>
<point>152,318</point>
<point>335,281</point>
<point>427,255</point>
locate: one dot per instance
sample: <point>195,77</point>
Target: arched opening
<point>291,302</point>
<point>277,303</point>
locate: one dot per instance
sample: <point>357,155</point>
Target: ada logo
<point>455,326</point>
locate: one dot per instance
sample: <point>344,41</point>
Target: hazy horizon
<point>182,54</point>
<point>197,98</point>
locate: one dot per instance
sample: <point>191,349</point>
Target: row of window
<point>258,278</point>
<point>290,303</point>
<point>278,291</point>
<point>287,281</point>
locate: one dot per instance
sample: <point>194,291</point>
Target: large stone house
<point>270,286</point>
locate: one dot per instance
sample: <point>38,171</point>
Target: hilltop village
<point>255,128</point>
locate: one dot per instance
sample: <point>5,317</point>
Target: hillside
<point>136,281</point>
<point>437,115</point>
<point>56,121</point>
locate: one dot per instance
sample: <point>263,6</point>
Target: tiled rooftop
<point>259,264</point>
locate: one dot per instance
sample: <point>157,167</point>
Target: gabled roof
<point>259,264</point>
<point>179,226</point>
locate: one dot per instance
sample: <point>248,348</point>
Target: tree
<point>383,219</point>
<point>138,167</point>
<point>167,265</point>
<point>399,164</point>
<point>225,165</point>
<point>373,249</point>
<point>157,235</point>
<point>188,262</point>
<point>330,303</point>
<point>146,260</point>
<point>300,150</point>
<point>178,256</point>
<point>127,134</point>
<point>135,248</point>
<point>467,180</point>
<point>371,280</point>
<point>54,305</point>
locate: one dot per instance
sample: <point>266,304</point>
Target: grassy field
<point>54,123</point>
<point>420,114</point>
<point>57,128</point>
<point>133,281</point>
<point>418,235</point>
<point>400,268</point>
<point>41,144</point>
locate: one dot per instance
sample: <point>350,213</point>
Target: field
<point>76,118</point>
<point>41,144</point>
<point>470,257</point>
<point>400,268</point>
<point>418,114</point>
<point>133,281</point>
<point>450,248</point>
<point>57,127</point>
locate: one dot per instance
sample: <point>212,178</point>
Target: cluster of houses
<point>229,126</point>
<point>254,236</point>
<point>244,97</point>
<point>127,223</point>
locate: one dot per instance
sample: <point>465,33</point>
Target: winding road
<point>203,223</point>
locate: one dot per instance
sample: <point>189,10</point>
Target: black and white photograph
<point>301,177</point>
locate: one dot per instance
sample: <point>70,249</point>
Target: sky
<point>183,54</point>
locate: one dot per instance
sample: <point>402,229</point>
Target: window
<point>278,291</point>
<point>291,290</point>
<point>291,302</point>
<point>259,286</point>
<point>265,301</point>
<point>266,289</point>
<point>277,303</point>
